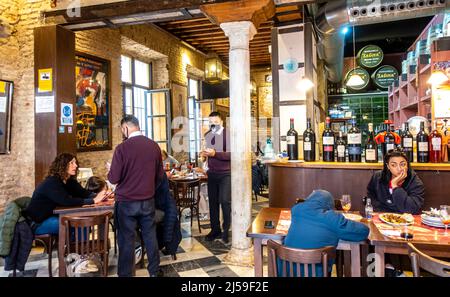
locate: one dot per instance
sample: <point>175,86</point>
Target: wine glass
<point>444,214</point>
<point>346,202</point>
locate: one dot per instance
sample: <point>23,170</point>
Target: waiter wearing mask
<point>219,178</point>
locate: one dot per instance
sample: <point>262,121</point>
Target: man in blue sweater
<point>315,224</point>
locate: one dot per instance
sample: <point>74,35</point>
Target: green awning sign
<point>362,73</point>
<point>370,56</point>
<point>385,76</point>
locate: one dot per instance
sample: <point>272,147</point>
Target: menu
<point>284,222</point>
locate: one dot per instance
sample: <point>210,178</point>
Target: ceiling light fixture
<point>355,79</point>
<point>437,78</point>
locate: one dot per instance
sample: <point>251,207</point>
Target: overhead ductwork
<point>335,14</point>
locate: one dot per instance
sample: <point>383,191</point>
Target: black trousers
<point>219,195</point>
<point>130,215</point>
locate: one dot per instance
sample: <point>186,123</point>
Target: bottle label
<point>371,154</point>
<point>436,143</point>
<point>328,148</point>
<point>290,139</point>
<point>423,146</point>
<point>354,138</point>
<point>307,146</point>
<point>389,146</point>
<point>328,140</point>
<point>407,142</point>
<point>341,151</point>
<point>354,150</point>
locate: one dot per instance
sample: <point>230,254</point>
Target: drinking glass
<point>444,213</point>
<point>346,202</point>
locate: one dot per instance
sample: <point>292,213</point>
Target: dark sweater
<point>407,198</point>
<point>136,169</point>
<point>53,192</point>
<point>220,163</point>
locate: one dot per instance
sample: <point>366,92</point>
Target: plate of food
<point>396,219</point>
<point>352,216</point>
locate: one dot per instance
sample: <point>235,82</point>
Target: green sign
<point>370,56</point>
<point>385,76</point>
<point>362,73</point>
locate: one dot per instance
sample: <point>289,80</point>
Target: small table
<point>428,239</point>
<point>93,209</point>
<point>261,235</point>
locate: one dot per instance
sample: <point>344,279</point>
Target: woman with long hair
<point>396,188</point>
<point>60,188</point>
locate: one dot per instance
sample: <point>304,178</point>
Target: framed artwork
<point>93,103</point>
<point>179,100</point>
<point>6,95</point>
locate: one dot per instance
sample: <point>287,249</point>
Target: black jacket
<point>52,192</point>
<point>407,198</point>
<point>169,232</point>
<point>21,247</point>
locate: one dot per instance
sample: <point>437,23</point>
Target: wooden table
<point>79,211</point>
<point>428,239</point>
<point>261,235</point>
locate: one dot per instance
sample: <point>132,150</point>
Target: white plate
<point>393,224</point>
<point>352,216</point>
<point>432,224</point>
<point>431,219</point>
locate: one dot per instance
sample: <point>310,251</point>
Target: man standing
<point>136,169</point>
<point>219,178</point>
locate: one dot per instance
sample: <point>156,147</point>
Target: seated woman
<point>60,188</point>
<point>315,224</point>
<point>396,188</point>
<point>168,159</point>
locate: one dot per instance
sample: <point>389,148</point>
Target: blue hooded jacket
<point>314,224</point>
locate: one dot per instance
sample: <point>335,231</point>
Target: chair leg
<point>49,252</point>
<point>198,220</point>
<point>115,240</point>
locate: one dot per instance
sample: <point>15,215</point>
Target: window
<point>150,107</point>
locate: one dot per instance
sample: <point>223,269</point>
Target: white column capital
<point>239,33</point>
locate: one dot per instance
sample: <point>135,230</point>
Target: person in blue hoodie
<point>315,224</point>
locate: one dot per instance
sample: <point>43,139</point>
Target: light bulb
<point>305,84</point>
<point>355,80</point>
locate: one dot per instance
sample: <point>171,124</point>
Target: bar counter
<point>292,180</point>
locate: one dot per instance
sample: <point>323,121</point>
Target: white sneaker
<point>138,254</point>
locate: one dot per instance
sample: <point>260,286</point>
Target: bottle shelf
<point>425,98</point>
<point>425,69</point>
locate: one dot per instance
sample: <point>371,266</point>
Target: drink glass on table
<point>444,214</point>
<point>407,232</point>
<point>346,202</point>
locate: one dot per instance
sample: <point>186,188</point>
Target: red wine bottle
<point>354,143</point>
<point>422,145</point>
<point>407,143</point>
<point>340,148</point>
<point>292,142</point>
<point>389,141</point>
<point>435,141</point>
<point>328,142</point>
<point>309,143</point>
<point>371,147</point>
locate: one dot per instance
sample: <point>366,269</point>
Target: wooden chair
<point>48,241</point>
<point>88,236</point>
<point>187,195</point>
<point>296,258</point>
<point>430,264</point>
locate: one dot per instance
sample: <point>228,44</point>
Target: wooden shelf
<point>348,165</point>
<point>425,69</point>
<point>412,105</point>
<point>412,79</point>
<point>425,98</point>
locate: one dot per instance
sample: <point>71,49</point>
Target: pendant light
<point>437,78</point>
<point>305,83</point>
<point>354,79</point>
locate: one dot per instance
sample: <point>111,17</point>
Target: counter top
<point>362,166</point>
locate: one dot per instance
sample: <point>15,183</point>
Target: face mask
<point>212,127</point>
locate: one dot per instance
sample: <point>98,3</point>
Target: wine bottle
<point>292,142</point>
<point>389,141</point>
<point>354,143</point>
<point>309,143</point>
<point>422,144</point>
<point>435,143</point>
<point>328,142</point>
<point>407,143</point>
<point>340,148</point>
<point>371,147</point>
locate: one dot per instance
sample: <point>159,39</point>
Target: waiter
<point>219,178</point>
<point>136,168</point>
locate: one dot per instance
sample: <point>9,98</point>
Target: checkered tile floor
<point>196,257</point>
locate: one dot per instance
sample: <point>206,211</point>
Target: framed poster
<point>93,103</point>
<point>179,100</point>
<point>6,95</point>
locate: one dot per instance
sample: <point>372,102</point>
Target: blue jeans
<point>129,215</point>
<point>49,226</point>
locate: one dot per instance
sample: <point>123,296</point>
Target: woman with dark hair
<point>397,188</point>
<point>96,184</point>
<point>60,188</point>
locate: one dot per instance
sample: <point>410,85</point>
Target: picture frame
<point>93,103</point>
<point>6,97</point>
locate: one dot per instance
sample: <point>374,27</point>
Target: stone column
<point>239,35</point>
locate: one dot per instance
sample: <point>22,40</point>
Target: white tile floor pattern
<point>195,258</point>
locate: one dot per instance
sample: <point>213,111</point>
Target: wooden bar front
<point>289,181</point>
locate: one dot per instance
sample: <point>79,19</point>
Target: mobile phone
<point>268,225</point>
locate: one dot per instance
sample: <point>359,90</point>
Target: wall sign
<point>44,104</point>
<point>363,74</point>
<point>385,76</point>
<point>370,56</point>
<point>66,114</point>
<point>290,65</point>
<point>45,80</point>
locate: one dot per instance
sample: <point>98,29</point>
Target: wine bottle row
<point>428,148</point>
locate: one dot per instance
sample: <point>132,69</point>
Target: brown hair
<point>60,165</point>
<point>95,184</point>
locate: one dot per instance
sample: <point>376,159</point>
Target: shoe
<point>211,236</point>
<point>392,272</point>
<point>225,238</point>
<point>160,273</point>
<point>138,254</point>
